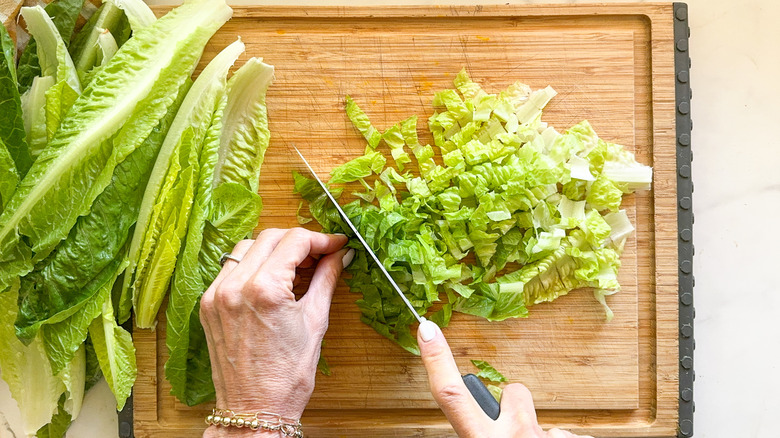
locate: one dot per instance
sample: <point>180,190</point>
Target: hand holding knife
<point>475,386</point>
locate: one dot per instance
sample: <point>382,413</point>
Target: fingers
<point>317,300</point>
<point>297,244</point>
<point>517,409</point>
<point>446,383</point>
<point>257,254</point>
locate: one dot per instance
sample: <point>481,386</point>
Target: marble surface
<point>736,66</point>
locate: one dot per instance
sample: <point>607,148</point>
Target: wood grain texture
<point>612,65</point>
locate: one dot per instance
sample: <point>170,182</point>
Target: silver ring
<point>227,256</point>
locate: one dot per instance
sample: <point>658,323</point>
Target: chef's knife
<point>478,389</point>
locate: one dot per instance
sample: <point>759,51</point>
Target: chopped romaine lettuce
<point>486,371</point>
<point>512,218</point>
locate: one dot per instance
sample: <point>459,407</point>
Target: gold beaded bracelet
<point>258,420</point>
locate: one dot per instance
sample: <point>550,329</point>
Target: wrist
<point>284,398</point>
<point>234,432</point>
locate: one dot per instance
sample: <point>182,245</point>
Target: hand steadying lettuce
<point>517,214</point>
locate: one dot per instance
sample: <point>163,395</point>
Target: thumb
<point>446,383</point>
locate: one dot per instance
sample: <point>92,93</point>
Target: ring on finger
<point>227,256</point>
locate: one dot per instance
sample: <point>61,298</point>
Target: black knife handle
<point>482,395</point>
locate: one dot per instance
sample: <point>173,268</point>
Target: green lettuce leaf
<point>73,376</point>
<point>360,167</point>
<point>34,111</point>
<point>245,135</point>
<point>496,391</point>
<point>52,51</point>
<point>486,371</point>
<point>55,92</point>
<point>108,47</point>
<point>220,218</point>
<point>603,194</point>
<point>394,138</point>
<point>115,352</point>
<point>12,137</point>
<point>9,178</point>
<point>63,339</point>
<point>92,373</point>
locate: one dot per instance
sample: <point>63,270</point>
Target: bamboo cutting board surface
<point>611,65</point>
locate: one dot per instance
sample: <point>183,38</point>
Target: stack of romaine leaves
<point>115,169</point>
<point>512,213</point>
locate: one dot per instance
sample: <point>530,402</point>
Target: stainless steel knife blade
<point>370,251</point>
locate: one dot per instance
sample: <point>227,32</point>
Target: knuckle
<point>266,289</point>
<point>298,233</point>
<point>266,233</point>
<point>229,286</point>
<point>450,394</point>
<point>207,304</point>
<point>243,246</point>
<point>229,295</point>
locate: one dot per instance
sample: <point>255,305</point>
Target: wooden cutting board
<point>611,65</point>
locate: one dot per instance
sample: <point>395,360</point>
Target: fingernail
<point>347,259</point>
<point>428,330</point>
<point>339,234</point>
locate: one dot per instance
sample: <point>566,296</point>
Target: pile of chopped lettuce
<point>119,179</point>
<point>509,213</point>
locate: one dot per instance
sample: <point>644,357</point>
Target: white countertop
<point>735,51</point>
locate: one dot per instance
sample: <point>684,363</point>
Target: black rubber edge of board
<point>685,250</point>
<point>125,416</point>
<point>685,219</point>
